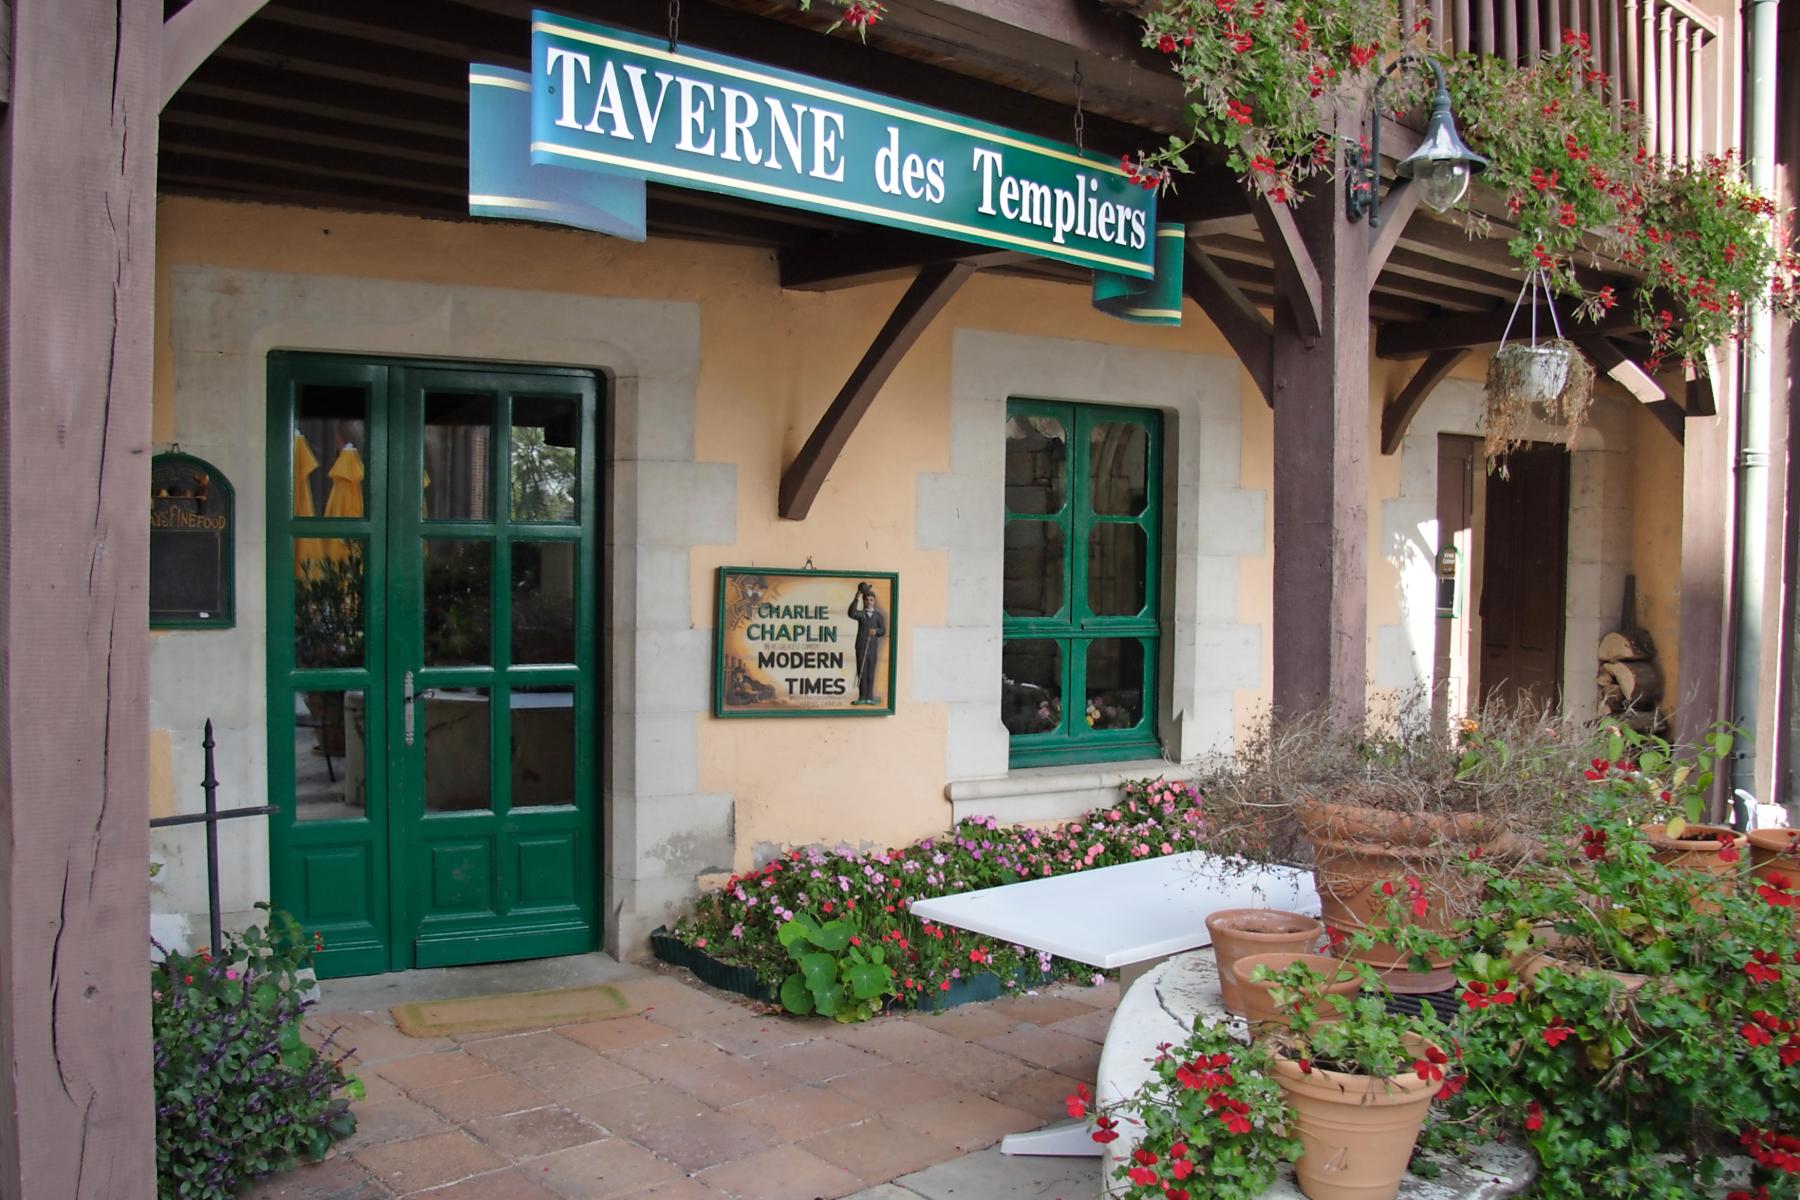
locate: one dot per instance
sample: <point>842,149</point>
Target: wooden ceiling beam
<point>855,259</point>
<point>1614,363</point>
<point>1485,329</point>
<point>239,82</point>
<point>188,124</point>
<point>1397,414</point>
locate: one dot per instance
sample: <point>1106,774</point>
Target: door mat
<point>516,1010</point>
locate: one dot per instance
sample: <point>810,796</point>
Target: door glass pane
<point>329,587</point>
<point>330,765</point>
<point>543,746</point>
<point>458,603</point>
<point>546,444</point>
<point>1034,569</point>
<point>1031,685</point>
<point>1115,683</point>
<point>543,602</point>
<point>457,727</point>
<point>1117,568</point>
<point>1118,468</point>
<point>459,434</point>
<point>1036,450</point>
<point>330,426</point>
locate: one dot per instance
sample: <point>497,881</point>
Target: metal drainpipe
<point>1752,516</point>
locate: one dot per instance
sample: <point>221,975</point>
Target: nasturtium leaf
<point>868,981</point>
<point>794,995</point>
<point>833,936</point>
<point>821,971</point>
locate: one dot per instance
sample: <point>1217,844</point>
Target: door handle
<point>407,692</point>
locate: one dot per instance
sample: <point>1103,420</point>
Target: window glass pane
<point>1115,683</point>
<point>1031,685</point>
<point>543,746</point>
<point>458,607</point>
<point>543,602</point>
<point>1117,564</point>
<point>546,444</point>
<point>457,731</point>
<point>459,433</point>
<point>330,424</point>
<point>1034,563</point>
<point>330,764</point>
<point>329,587</point>
<point>1118,468</point>
<point>1036,449</point>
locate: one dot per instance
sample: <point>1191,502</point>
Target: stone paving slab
<point>991,1175</point>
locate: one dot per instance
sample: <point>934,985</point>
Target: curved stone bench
<point>1161,1007</point>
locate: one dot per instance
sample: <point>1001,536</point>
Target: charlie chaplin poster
<point>805,643</point>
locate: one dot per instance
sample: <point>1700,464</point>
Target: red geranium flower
<point>1777,889</point>
<point>1106,1130</point>
<point>1556,1033</point>
<point>1764,966</point>
<point>1534,1116</point>
<point>1077,1102</point>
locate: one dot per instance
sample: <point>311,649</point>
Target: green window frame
<point>1080,597</point>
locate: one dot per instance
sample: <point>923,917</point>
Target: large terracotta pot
<point>1528,965</point>
<point>1697,849</point>
<point>1776,850</point>
<point>1260,1009</point>
<point>1237,932</point>
<point>1356,1132</point>
<point>1356,850</point>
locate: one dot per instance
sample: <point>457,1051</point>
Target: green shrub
<point>238,1092</point>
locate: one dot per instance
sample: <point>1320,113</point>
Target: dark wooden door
<point>1524,570</point>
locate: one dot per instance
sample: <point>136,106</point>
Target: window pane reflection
<point>1034,562</point>
<point>1036,450</point>
<point>329,424</point>
<point>1115,683</point>
<point>543,602</point>
<point>458,604</point>
<point>1031,685</point>
<point>330,765</point>
<point>328,602</point>
<point>1118,468</point>
<point>543,746</point>
<point>1117,569</point>
<point>458,456</point>
<point>546,447</point>
<point>457,727</point>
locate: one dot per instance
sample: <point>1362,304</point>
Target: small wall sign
<point>192,527</point>
<point>803,643</point>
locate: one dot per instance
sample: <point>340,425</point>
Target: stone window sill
<point>1059,793</point>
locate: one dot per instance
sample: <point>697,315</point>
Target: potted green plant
<point>1275,988</point>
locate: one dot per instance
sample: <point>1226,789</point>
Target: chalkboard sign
<point>191,533</point>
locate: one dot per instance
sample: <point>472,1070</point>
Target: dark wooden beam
<point>851,260</point>
<point>1702,398</point>
<point>191,36</point>
<point>1396,213</point>
<point>1243,325</point>
<point>1488,328</point>
<point>1615,364</point>
<point>801,482</point>
<point>1671,416</point>
<point>1398,413</point>
<point>77,288</point>
<point>1294,267</point>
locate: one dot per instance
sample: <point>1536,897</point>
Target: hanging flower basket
<point>1549,381</point>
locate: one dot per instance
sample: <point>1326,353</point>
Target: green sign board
<point>615,101</point>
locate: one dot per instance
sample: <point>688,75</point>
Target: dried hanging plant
<point>1551,381</point>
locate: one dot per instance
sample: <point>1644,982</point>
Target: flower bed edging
<point>724,976</point>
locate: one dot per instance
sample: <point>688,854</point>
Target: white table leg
<point>1068,1139</point>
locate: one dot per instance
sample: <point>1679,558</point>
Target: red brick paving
<point>701,1097</point>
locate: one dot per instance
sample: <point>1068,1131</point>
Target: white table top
<point>1134,912</point>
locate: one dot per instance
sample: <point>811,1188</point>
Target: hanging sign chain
<point>674,24</point>
<point>1080,116</point>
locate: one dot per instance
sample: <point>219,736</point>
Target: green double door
<point>432,660</point>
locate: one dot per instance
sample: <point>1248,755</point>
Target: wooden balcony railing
<point>1670,58</point>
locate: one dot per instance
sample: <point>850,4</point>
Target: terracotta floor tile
<point>513,1184</point>
<point>801,1112</point>
<point>572,1080</point>
<point>902,1039</point>
<point>377,1088</point>
<point>878,1150</point>
<point>392,1121</point>
<point>428,1161</point>
<point>434,1070</point>
<point>613,1167</point>
<point>1039,1047</point>
<point>515,1051</point>
<point>333,1179</point>
<point>697,1143</point>
<point>1041,1009</point>
<point>968,1022</point>
<point>696,1018</point>
<point>1105,996</point>
<point>1091,1024</point>
<point>535,1132</point>
<point>782,1173</point>
<point>888,1086</point>
<point>676,1054</point>
<point>628,1110</point>
<point>487,1096</point>
<point>375,1039</point>
<point>616,1033</point>
<point>758,1035</point>
<point>975,1068</point>
<point>1084,1065</point>
<point>819,1060</point>
<point>967,1122</point>
<point>678,1189</point>
<point>1041,1094</point>
<point>726,1083</point>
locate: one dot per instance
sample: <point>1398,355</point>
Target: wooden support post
<point>77,215</point>
<point>801,482</point>
<point>1296,275</point>
<point>1321,468</point>
<point>1398,413</point>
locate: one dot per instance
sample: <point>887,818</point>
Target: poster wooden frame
<point>893,642</point>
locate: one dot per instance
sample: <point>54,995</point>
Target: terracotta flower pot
<point>1260,1009</point>
<point>1356,1132</point>
<point>1775,850</point>
<point>1697,849</point>
<point>1528,965</point>
<point>1237,932</point>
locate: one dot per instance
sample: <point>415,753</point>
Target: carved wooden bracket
<point>1296,275</point>
<point>1399,412</point>
<point>933,288</point>
<point>1251,336</point>
<point>192,35</point>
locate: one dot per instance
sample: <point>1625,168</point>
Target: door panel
<point>1523,577</point>
<point>459,822</point>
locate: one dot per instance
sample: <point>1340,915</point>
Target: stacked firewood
<point>1631,686</point>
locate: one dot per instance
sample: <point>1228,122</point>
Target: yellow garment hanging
<point>307,551</point>
<point>346,496</point>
